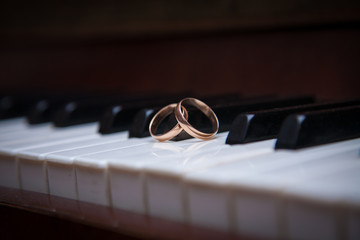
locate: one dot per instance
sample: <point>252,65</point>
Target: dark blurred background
<point>204,47</point>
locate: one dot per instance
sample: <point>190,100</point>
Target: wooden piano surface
<point>45,226</point>
<point>30,211</point>
<point>320,61</point>
<point>253,48</point>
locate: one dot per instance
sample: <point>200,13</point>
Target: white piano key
<point>353,225</point>
<point>280,158</point>
<point>8,172</point>
<point>14,124</point>
<point>61,168</point>
<point>324,203</point>
<point>216,207</point>
<point>310,223</point>
<point>252,195</point>
<point>252,191</point>
<point>32,164</point>
<point>12,121</point>
<point>126,173</point>
<point>165,176</point>
<point>25,134</point>
<point>92,171</point>
<point>37,133</point>
<point>271,184</point>
<point>89,140</point>
<point>93,168</point>
<point>9,168</point>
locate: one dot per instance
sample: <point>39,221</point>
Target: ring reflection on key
<point>159,117</point>
<point>182,119</point>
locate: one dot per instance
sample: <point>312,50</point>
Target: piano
<point>283,165</point>
<point>272,188</point>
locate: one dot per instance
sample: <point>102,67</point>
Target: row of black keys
<point>296,122</point>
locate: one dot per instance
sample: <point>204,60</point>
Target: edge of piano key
<point>265,124</point>
<point>123,222</point>
<point>296,130</point>
<point>332,220</point>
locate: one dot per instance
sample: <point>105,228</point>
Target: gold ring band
<point>182,120</point>
<point>159,117</point>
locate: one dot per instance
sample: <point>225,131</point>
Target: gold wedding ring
<point>182,119</point>
<point>181,115</point>
<point>159,117</point>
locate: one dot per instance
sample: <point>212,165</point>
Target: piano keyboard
<point>249,189</point>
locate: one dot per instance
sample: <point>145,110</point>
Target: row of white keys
<point>331,203</point>
<point>142,170</point>
<point>165,178</point>
<point>12,125</point>
<point>34,172</point>
<point>43,131</point>
<point>248,201</point>
<point>128,175</point>
<point>32,168</point>
<point>32,138</point>
<point>92,170</point>
<point>276,182</point>
<point>61,167</point>
<point>28,131</point>
<point>11,122</point>
<point>126,169</point>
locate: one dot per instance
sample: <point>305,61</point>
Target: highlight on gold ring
<point>183,122</point>
<point>159,117</point>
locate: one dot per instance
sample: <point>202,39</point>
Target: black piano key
<point>120,117</point>
<point>16,105</point>
<point>262,125</point>
<point>140,125</point>
<point>84,111</point>
<point>39,112</point>
<point>226,112</point>
<point>92,109</point>
<point>319,127</point>
<point>44,109</point>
